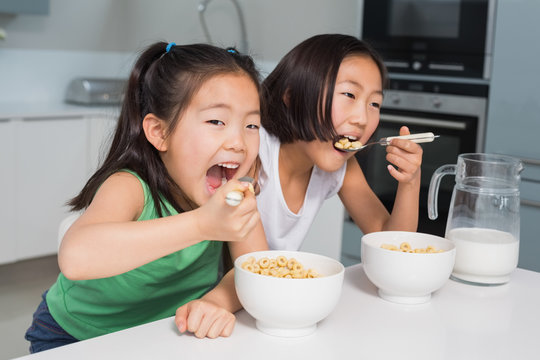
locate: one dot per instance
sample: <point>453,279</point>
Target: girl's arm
<point>107,240</point>
<point>363,205</point>
<point>224,293</point>
<point>212,315</point>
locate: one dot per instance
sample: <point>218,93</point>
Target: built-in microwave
<point>432,37</point>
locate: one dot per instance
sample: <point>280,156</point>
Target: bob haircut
<point>306,78</point>
<point>163,82</point>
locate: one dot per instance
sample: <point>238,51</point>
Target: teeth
<point>229,166</point>
<point>352,138</point>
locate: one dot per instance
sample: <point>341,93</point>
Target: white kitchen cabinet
<point>7,184</point>
<point>100,134</point>
<point>45,161</point>
<point>50,167</point>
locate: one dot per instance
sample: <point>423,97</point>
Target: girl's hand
<point>204,319</point>
<point>218,220</point>
<point>406,156</point>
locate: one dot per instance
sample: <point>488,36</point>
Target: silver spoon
<point>417,138</point>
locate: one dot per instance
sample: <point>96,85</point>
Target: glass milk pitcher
<point>483,219</point>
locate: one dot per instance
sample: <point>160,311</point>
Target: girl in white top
<point>326,88</point>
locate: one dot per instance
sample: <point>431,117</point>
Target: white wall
<point>127,25</point>
<point>102,37</point>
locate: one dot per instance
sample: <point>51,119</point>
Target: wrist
<point>198,221</point>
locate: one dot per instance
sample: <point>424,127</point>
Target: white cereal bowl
<point>289,307</point>
<point>406,278</point>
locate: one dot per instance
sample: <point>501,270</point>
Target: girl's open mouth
<point>219,174</point>
<point>347,143</point>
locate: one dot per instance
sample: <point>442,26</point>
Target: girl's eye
<point>253,126</point>
<point>375,105</point>
<point>350,95</point>
<point>216,122</point>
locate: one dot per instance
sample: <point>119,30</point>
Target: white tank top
<point>284,229</point>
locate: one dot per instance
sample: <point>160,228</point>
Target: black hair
<point>163,82</point>
<point>306,77</point>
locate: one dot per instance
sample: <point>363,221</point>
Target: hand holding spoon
<point>235,197</point>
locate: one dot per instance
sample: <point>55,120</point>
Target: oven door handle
<point>434,123</point>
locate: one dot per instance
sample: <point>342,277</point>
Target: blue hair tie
<point>169,46</point>
<point>232,51</point>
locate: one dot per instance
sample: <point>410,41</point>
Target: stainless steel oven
<point>432,37</point>
<point>455,111</point>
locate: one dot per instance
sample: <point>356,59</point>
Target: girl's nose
<point>358,117</point>
<point>235,141</point>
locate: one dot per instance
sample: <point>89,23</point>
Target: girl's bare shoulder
<point>120,195</point>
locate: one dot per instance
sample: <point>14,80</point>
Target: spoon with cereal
<point>348,144</point>
<point>234,198</point>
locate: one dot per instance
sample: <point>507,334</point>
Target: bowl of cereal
<point>407,267</point>
<point>288,292</point>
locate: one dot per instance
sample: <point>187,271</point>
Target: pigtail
<point>129,148</point>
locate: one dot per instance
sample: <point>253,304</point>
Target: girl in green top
<point>150,238</point>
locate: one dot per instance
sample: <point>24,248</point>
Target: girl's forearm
<point>91,251</point>
<point>404,216</point>
<point>224,294</point>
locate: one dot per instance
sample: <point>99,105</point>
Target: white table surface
<point>460,322</point>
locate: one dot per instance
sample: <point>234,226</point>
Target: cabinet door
<point>51,165</point>
<point>513,121</point>
<point>529,247</point>
<point>101,131</point>
<point>8,251</point>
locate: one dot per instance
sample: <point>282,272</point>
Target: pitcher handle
<point>433,194</point>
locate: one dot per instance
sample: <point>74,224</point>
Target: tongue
<point>229,173</point>
<point>214,176</point>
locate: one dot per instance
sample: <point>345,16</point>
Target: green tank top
<point>89,308</point>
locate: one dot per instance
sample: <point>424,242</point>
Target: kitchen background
<point>49,148</point>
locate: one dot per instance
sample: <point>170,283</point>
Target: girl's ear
<point>287,97</point>
<point>155,131</point>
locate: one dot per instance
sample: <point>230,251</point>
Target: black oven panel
<point>432,37</point>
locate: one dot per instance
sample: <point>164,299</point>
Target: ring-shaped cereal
<point>270,267</point>
<point>264,262</point>
<point>247,266</point>
<point>274,272</point>
<point>291,263</point>
<point>281,261</point>
<point>405,246</point>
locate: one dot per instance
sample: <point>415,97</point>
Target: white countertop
<point>460,322</point>
<point>26,110</point>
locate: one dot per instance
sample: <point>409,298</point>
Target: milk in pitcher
<point>484,255</point>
